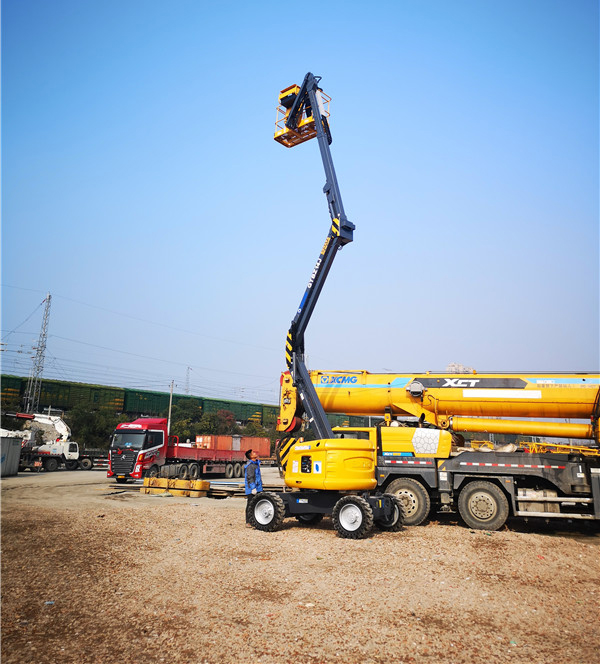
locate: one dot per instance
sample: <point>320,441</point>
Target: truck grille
<point>122,464</point>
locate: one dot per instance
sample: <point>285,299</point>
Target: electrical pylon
<point>31,400</point>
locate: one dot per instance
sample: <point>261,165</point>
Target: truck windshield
<point>130,440</point>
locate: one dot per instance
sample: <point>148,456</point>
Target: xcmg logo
<point>460,382</point>
<point>338,380</point>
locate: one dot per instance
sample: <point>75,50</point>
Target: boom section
<point>304,119</point>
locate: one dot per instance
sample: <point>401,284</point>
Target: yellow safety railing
<point>306,126</point>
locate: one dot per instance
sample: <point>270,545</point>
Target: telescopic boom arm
<point>305,119</point>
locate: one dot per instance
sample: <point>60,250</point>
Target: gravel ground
<point>91,575</point>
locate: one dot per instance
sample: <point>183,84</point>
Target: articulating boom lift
<point>305,117</point>
<point>335,466</point>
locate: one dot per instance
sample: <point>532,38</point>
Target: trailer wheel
<point>152,471</point>
<point>396,522</point>
<point>237,470</point>
<point>483,506</point>
<point>414,499</point>
<point>72,464</point>
<point>50,465</point>
<point>184,471</point>
<point>86,463</point>
<point>266,511</point>
<point>194,470</point>
<point>229,471</point>
<point>352,517</point>
<point>309,519</point>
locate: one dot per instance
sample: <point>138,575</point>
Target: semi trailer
<point>143,448</point>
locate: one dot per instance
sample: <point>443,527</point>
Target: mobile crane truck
<point>389,474</point>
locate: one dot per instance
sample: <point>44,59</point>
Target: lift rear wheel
<point>237,470</point>
<point>266,511</point>
<point>483,506</point>
<point>194,471</point>
<point>352,517</point>
<point>395,523</point>
<point>414,498</point>
<point>229,471</point>
<point>184,471</point>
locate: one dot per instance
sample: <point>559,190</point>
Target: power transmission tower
<point>31,400</point>
<point>187,380</point>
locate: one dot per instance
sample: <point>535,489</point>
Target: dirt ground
<point>90,574</point>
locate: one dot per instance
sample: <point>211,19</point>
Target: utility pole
<point>187,380</point>
<point>31,400</point>
<point>170,404</point>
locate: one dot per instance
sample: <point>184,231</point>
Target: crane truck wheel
<point>86,464</point>
<point>309,519</point>
<point>396,522</point>
<point>266,511</point>
<point>72,464</point>
<point>352,517</point>
<point>414,499</point>
<point>483,506</point>
<point>50,465</point>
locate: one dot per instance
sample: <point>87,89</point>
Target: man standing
<point>252,478</point>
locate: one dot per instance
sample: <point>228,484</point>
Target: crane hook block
<point>305,127</point>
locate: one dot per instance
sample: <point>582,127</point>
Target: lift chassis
<point>353,515</point>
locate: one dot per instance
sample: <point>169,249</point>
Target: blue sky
<point>142,188</point>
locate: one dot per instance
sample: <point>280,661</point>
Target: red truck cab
<point>138,448</point>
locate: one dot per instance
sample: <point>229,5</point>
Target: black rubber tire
<point>229,471</point>
<point>483,506</point>
<point>351,508</point>
<point>309,519</point>
<point>50,465</point>
<point>86,464</point>
<point>414,499</point>
<point>266,511</point>
<point>184,471</point>
<point>72,464</point>
<point>237,469</point>
<point>153,471</point>
<point>122,480</point>
<point>396,523</point>
<point>194,471</point>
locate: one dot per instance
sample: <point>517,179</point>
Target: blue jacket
<point>252,478</point>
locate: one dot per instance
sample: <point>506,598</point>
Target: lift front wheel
<point>352,517</point>
<point>414,498</point>
<point>395,522</point>
<point>266,511</point>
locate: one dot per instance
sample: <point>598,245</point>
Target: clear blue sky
<point>142,188</point>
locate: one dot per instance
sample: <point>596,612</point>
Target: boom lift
<point>336,465</point>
